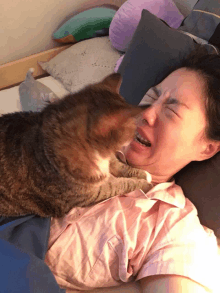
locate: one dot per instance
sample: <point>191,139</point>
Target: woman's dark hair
<point>208,67</point>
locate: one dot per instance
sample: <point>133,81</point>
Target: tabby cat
<point>64,155</point>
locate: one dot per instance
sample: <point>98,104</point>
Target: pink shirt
<point>132,236</point>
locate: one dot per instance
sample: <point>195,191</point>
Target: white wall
<point>26,26</point>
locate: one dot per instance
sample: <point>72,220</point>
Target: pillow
<point>204,21</point>
<point>198,40</point>
<point>85,62</point>
<point>34,95</point>
<point>201,184</point>
<point>128,16</point>
<point>87,24</point>
<point>154,52</point>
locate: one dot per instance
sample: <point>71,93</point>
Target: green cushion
<point>86,24</point>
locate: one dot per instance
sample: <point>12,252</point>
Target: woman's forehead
<point>183,82</point>
<point>182,74</point>
<point>185,85</point>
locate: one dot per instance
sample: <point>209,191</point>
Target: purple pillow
<point>126,19</point>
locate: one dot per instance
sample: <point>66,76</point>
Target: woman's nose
<point>149,115</point>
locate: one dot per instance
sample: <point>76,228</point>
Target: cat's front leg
<point>118,186</point>
<point>119,169</point>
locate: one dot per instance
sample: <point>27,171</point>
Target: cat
<point>64,155</point>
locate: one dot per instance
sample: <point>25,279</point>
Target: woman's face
<point>174,124</point>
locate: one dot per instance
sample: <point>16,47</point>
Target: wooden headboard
<point>13,73</point>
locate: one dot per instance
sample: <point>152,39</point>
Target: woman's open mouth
<point>141,140</point>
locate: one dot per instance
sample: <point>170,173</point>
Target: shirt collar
<point>168,192</point>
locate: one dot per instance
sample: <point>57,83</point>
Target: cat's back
<point>18,122</point>
<point>16,130</point>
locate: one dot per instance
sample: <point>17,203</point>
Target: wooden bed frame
<point>13,73</point>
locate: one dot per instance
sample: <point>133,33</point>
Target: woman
<point>155,237</point>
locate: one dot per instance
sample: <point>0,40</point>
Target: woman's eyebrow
<point>156,91</point>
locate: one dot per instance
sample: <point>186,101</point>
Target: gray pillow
<point>154,52</point>
<point>200,182</point>
<point>34,95</point>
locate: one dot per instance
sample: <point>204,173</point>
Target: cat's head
<point>96,121</point>
<point>112,121</point>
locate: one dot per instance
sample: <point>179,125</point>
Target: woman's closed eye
<point>171,101</point>
<point>172,111</point>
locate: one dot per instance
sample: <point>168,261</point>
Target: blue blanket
<point>23,245</point>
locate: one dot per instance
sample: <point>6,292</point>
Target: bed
<point>13,73</point>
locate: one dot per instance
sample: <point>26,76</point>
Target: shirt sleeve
<point>184,247</point>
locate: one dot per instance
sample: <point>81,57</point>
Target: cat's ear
<point>113,81</point>
<point>116,120</point>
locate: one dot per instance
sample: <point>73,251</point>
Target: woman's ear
<point>210,149</point>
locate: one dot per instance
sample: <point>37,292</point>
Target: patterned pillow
<point>83,63</point>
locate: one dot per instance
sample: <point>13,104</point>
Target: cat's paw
<point>146,186</point>
<point>141,174</point>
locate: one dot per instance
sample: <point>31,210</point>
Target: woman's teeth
<point>142,140</point>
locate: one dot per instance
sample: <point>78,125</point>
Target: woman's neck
<point>161,179</point>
